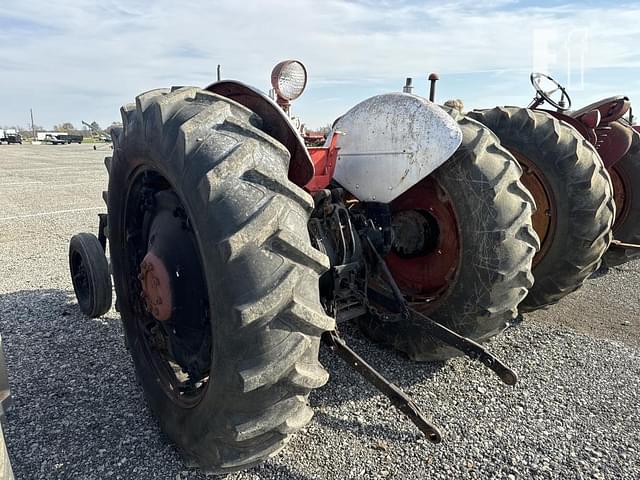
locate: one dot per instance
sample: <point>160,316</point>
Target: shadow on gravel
<point>375,431</point>
<point>78,411</point>
<point>345,384</point>
<point>269,472</point>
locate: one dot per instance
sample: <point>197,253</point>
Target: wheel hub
<point>156,287</point>
<point>415,233</point>
<point>426,252</point>
<point>174,321</point>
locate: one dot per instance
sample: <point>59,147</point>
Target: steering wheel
<point>545,87</point>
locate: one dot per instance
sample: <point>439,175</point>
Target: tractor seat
<point>610,109</point>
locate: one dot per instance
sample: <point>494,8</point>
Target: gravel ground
<point>79,412</point>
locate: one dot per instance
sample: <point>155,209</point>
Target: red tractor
<point>571,192</point>
<point>234,249</point>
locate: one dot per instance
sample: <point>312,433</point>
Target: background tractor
<point>234,249</point>
<point>604,125</point>
<point>617,141</point>
<point>563,170</point>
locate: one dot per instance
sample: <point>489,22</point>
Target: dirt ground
<point>608,307</point>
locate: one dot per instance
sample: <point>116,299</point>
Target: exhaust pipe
<point>408,86</point>
<point>433,78</point>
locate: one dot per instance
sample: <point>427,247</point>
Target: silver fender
<point>390,143</point>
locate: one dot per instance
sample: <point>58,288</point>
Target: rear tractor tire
<point>625,174</point>
<point>573,194</point>
<point>477,272</point>
<point>90,275</point>
<point>216,277</point>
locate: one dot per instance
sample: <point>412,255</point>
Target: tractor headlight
<point>289,78</point>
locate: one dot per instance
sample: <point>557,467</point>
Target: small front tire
<point>90,274</point>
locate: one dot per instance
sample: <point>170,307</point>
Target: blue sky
<point>74,60</point>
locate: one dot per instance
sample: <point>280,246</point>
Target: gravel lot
<point>79,412</point>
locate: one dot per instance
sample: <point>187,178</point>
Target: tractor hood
<point>390,143</point>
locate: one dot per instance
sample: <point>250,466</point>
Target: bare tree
<point>64,127</point>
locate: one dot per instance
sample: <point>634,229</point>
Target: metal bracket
<point>397,397</point>
<point>624,246</point>
<point>442,333</point>
<point>102,230</point>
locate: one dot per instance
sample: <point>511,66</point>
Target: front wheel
<point>90,274</point>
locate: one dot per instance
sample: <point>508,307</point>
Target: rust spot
<point>156,287</point>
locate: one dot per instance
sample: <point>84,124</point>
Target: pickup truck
<point>59,138</point>
<point>74,138</point>
<point>10,135</point>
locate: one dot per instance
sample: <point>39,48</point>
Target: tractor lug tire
<point>626,228</point>
<point>497,247</point>
<point>580,193</point>
<point>260,269</point>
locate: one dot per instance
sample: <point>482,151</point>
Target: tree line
<point>67,127</point>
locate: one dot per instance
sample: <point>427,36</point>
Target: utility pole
<point>33,127</point>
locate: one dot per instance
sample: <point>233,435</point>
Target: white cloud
<point>73,61</point>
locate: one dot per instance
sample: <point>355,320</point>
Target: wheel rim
<point>80,279</point>
<point>544,218</point>
<point>621,187</point>
<point>168,293</point>
<point>425,257</point>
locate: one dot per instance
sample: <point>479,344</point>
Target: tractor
<point>235,250</point>
<point>578,193</point>
<point>563,170</point>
